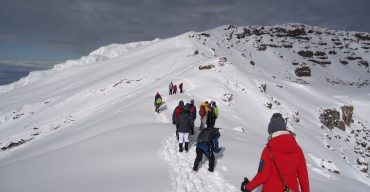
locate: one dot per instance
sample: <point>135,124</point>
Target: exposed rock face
<point>305,53</point>
<point>303,72</point>
<point>347,112</point>
<point>330,118</point>
<point>363,36</point>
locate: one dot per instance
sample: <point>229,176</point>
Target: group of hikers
<point>282,165</point>
<point>158,101</point>
<point>173,88</point>
<point>184,116</point>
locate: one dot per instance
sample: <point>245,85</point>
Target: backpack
<point>216,111</point>
<point>205,136</point>
<point>178,111</point>
<point>202,111</point>
<point>158,101</point>
<point>192,110</point>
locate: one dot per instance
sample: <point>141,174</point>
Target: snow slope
<point>90,125</point>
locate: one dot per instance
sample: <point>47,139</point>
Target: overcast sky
<point>63,29</point>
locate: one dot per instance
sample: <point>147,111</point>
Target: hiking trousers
<point>198,159</point>
<point>183,137</point>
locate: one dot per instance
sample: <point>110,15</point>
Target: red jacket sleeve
<point>303,174</point>
<point>263,172</point>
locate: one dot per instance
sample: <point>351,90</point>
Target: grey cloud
<point>84,25</point>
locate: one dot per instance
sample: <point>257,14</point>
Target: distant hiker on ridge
<point>174,89</point>
<point>282,165</point>
<point>176,113</point>
<point>207,144</point>
<point>170,88</point>
<point>157,102</point>
<point>180,87</point>
<point>183,125</point>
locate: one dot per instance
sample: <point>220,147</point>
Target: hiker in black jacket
<point>193,113</point>
<point>211,118</point>
<point>183,126</point>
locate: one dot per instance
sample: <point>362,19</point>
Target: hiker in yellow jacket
<point>203,111</point>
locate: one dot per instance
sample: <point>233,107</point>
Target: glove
<point>242,187</point>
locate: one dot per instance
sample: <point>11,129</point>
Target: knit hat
<point>192,102</point>
<point>181,103</point>
<point>187,107</point>
<point>277,123</point>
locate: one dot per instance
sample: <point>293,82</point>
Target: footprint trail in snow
<point>183,178</point>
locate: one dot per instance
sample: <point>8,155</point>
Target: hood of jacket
<point>283,142</point>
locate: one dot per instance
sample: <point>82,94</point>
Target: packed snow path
<point>184,179</point>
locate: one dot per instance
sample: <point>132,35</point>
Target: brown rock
<point>330,118</point>
<point>347,112</point>
<point>303,72</point>
<point>305,53</point>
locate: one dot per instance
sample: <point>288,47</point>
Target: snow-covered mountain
<point>90,125</point>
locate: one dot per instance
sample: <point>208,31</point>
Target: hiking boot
<point>210,170</point>
<point>186,146</point>
<point>180,147</point>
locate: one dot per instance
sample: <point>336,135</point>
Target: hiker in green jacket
<point>157,102</point>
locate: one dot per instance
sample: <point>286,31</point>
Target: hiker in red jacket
<point>176,113</point>
<point>282,165</point>
<point>174,89</point>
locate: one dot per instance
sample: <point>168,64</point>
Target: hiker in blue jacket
<point>206,145</point>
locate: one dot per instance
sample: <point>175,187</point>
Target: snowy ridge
<point>101,54</point>
<point>90,125</point>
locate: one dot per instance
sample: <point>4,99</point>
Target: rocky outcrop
<point>331,117</point>
<point>303,72</point>
<point>347,112</point>
<point>305,53</point>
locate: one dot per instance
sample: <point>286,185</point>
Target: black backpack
<point>207,135</point>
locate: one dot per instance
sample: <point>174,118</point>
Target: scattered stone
<point>364,63</point>
<point>268,105</point>
<point>322,63</point>
<point>331,52</point>
<point>319,53</point>
<point>262,47</point>
<point>206,67</point>
<point>15,144</point>
<point>351,58</point>
<point>206,34</point>
<point>344,62</point>
<point>295,62</point>
<point>227,97</point>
